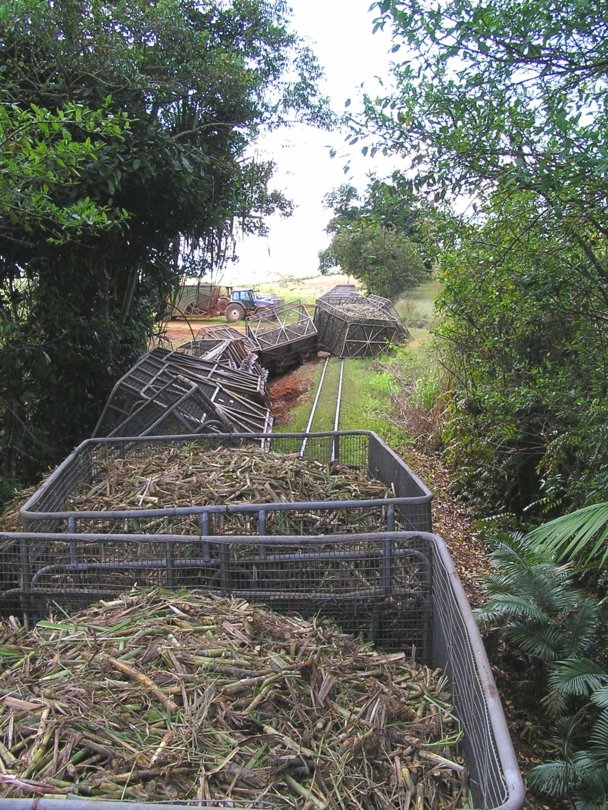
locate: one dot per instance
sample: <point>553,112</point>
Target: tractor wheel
<point>234,312</point>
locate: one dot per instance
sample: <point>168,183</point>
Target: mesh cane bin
<point>354,327</point>
<point>398,499</point>
<point>398,590</point>
<point>283,338</point>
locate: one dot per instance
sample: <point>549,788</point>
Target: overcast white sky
<point>340,33</point>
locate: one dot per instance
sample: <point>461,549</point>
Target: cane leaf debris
<point>163,696</point>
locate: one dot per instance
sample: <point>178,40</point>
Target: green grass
<point>289,289</point>
<point>300,414</point>
<point>366,399</point>
<point>366,391</point>
<point>418,303</point>
<point>326,407</point>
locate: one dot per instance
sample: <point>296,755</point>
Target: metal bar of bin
<point>504,746</point>
<point>99,804</point>
<point>231,509</point>
<point>387,554</point>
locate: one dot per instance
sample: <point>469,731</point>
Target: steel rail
<point>334,448</point>
<point>314,407</point>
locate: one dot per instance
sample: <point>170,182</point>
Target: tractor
<point>244,303</point>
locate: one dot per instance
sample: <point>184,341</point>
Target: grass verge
<point>366,393</point>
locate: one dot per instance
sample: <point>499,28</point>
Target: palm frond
<point>579,536</point>
<point>600,697</point>
<point>580,627</point>
<point>542,640</point>
<point>599,736</point>
<point>503,607</point>
<point>593,772</point>
<point>557,779</point>
<point>516,553</point>
<point>577,676</point>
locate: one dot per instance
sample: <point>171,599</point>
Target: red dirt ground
<point>288,390</point>
<point>178,332</point>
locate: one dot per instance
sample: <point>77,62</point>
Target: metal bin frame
<point>433,600</point>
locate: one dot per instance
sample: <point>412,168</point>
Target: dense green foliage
<point>536,605</point>
<point>377,239</point>
<point>554,632</point>
<point>506,102</point>
<point>123,153</point>
<point>524,341</point>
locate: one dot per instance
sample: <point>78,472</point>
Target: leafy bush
<point>534,604</point>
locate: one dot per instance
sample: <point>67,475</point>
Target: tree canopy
<point>377,238</point>
<point>503,104</point>
<point>124,138</point>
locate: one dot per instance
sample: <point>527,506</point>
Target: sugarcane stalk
<point>146,682</point>
<point>318,710</point>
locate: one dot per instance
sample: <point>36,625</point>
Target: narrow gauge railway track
<point>329,389</point>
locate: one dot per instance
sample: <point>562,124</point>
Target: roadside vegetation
<point>505,102</point>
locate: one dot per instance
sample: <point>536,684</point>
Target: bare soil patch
<point>174,333</point>
<point>289,390</point>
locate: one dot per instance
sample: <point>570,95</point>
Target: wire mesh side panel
<point>375,587</point>
<point>386,466</point>
<point>368,339</point>
<point>356,327</point>
<point>281,327</point>
<point>10,576</point>
<point>452,651</point>
<point>348,448</point>
<point>338,293</point>
<point>332,329</point>
<point>53,494</point>
<point>181,410</point>
<point>386,305</point>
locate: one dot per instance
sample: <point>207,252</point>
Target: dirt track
<point>178,332</point>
